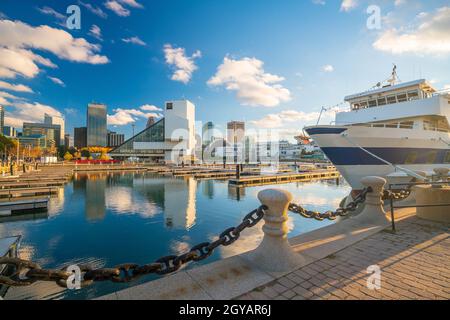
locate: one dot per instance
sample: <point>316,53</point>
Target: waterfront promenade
<point>414,261</point>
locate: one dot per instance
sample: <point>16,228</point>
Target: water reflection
<point>106,219</point>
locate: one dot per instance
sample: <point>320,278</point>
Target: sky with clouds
<point>271,63</point>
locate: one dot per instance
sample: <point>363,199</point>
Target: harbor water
<point>105,219</point>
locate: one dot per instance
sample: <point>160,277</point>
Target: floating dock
<point>28,192</point>
<point>247,181</point>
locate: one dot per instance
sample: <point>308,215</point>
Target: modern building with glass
<point>52,132</point>
<point>96,125</point>
<point>171,139</point>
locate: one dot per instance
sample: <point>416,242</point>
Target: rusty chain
<point>26,272</point>
<point>330,215</point>
<point>399,195</point>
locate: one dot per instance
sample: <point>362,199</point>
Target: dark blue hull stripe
<point>356,156</point>
<point>314,131</point>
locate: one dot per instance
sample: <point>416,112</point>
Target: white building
<point>171,139</point>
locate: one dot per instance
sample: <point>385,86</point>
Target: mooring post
<point>373,211</point>
<point>275,254</point>
<point>442,173</point>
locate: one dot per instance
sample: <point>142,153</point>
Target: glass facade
<point>96,125</point>
<point>154,133</point>
<point>51,132</point>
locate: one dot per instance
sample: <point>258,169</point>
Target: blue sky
<point>270,63</point>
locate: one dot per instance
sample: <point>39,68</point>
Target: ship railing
<point>397,125</point>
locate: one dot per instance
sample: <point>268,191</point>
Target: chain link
<point>24,272</point>
<point>399,195</point>
<point>330,215</point>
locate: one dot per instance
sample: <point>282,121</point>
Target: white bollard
<point>275,254</point>
<point>373,211</point>
<point>442,173</point>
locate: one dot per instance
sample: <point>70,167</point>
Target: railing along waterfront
<point>273,254</point>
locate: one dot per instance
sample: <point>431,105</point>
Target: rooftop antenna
<point>394,77</point>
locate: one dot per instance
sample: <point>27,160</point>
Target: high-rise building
<point>208,133</point>
<point>2,118</point>
<point>235,132</point>
<point>9,131</point>
<point>115,139</point>
<point>68,141</point>
<point>150,121</point>
<point>56,120</point>
<point>50,131</point>
<point>34,140</point>
<point>96,125</point>
<point>80,137</point>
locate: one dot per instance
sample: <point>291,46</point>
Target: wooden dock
<point>28,192</point>
<point>248,181</point>
<point>8,208</point>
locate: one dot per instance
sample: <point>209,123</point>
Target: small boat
<point>9,247</point>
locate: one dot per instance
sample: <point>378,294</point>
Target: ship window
<point>413,95</point>
<point>447,157</point>
<point>363,104</point>
<point>401,97</point>
<point>392,125</point>
<point>372,103</point>
<point>431,157</point>
<point>406,124</point>
<point>169,105</point>
<point>391,99</point>
<point>411,157</point>
<point>381,101</point>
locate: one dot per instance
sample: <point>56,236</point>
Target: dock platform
<point>247,181</point>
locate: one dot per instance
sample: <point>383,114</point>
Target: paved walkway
<point>414,262</point>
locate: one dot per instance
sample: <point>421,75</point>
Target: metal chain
<point>399,195</point>
<point>330,215</point>
<point>24,272</point>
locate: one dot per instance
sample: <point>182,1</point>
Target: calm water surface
<point>106,219</point>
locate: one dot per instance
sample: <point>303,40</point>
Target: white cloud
<point>18,38</point>
<point>348,5</point>
<point>95,10</point>
<point>52,12</point>
<point>5,98</point>
<point>131,3</point>
<point>431,36</point>
<point>328,68</point>
<point>149,107</point>
<point>291,118</point>
<point>134,40</point>
<point>447,87</point>
<point>117,8</point>
<point>28,112</point>
<point>321,2</point>
<point>123,117</point>
<point>96,32</point>
<point>184,65</point>
<point>15,87</point>
<point>57,81</point>
<point>253,86</point>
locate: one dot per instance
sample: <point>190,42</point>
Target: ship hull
<point>360,151</point>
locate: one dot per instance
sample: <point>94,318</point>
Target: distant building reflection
<point>179,203</point>
<point>95,196</point>
<point>208,188</point>
<point>235,193</point>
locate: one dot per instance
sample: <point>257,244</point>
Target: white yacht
<point>393,131</point>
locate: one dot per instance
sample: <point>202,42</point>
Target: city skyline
<point>230,73</point>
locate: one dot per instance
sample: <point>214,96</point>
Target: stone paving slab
<point>414,261</point>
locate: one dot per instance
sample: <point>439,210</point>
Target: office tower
<point>208,133</point>
<point>2,118</point>
<point>9,131</point>
<point>115,139</point>
<point>50,131</point>
<point>56,120</point>
<point>68,140</point>
<point>235,132</point>
<point>96,125</point>
<point>80,137</point>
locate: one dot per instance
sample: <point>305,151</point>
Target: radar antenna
<point>394,77</point>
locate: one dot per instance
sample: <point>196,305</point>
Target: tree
<point>85,153</point>
<point>68,156</point>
